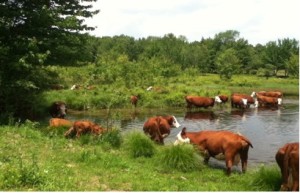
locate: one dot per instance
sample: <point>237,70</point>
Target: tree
<point>292,66</point>
<point>33,34</point>
<point>227,63</point>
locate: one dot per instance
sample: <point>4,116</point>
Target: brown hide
<point>134,99</point>
<point>236,101</point>
<point>287,158</point>
<point>158,127</point>
<point>214,143</point>
<point>57,122</point>
<point>276,94</point>
<point>267,101</point>
<point>198,101</point>
<point>58,109</point>
<point>84,127</point>
<point>250,99</point>
<point>223,98</point>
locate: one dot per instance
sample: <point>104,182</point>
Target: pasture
<point>166,92</point>
<point>34,158</point>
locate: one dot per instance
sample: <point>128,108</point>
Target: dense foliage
<point>39,37</point>
<point>33,34</point>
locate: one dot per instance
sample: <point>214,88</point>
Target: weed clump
<point>139,145</point>
<point>267,178</point>
<point>181,157</point>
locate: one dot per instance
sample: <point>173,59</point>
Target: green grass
<point>33,159</point>
<point>167,92</point>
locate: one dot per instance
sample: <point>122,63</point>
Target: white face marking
<point>217,99</point>
<point>244,101</point>
<point>180,140</point>
<point>253,94</point>
<point>175,123</point>
<point>256,104</point>
<point>279,101</point>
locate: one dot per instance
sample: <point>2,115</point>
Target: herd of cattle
<point>225,145</point>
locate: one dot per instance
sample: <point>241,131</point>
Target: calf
<point>287,158</point>
<point>84,127</point>
<point>57,122</point>
<point>159,127</point>
<point>218,144</point>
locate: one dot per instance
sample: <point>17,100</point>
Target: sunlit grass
<point>33,160</point>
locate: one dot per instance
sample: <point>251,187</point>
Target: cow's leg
<point>284,177</point>
<point>229,157</point>
<point>295,170</point>
<point>244,158</point>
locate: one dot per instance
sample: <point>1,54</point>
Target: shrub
<point>112,137</point>
<point>181,157</point>
<point>267,178</point>
<point>138,145</point>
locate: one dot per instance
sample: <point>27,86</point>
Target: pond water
<point>267,129</point>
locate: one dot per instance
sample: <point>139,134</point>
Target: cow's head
<point>279,100</point>
<point>244,102</point>
<point>175,122</point>
<point>217,99</point>
<point>61,110</point>
<point>181,137</point>
<point>253,94</point>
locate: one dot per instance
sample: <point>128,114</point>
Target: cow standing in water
<point>58,109</point>
<point>134,99</point>
<point>198,101</point>
<point>218,144</point>
<point>287,158</point>
<point>159,127</point>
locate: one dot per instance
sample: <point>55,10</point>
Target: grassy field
<point>166,92</point>
<point>35,158</point>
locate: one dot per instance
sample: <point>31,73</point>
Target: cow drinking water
<point>159,127</point>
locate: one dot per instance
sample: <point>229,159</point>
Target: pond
<point>267,129</point>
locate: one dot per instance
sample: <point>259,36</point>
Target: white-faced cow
<point>159,127</point>
<point>218,144</point>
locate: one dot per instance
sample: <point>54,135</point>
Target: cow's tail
<point>246,140</point>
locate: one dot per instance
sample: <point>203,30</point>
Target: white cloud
<point>258,21</point>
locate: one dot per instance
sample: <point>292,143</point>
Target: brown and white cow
<point>287,158</point>
<point>250,99</point>
<point>84,127</point>
<point>238,101</point>
<point>58,122</point>
<point>198,101</point>
<point>134,99</point>
<point>58,109</point>
<point>268,101</point>
<point>223,98</point>
<point>159,127</point>
<point>276,94</point>
<point>218,144</point>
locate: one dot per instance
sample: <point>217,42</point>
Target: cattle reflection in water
<point>200,115</point>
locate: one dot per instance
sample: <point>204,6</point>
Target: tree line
<point>35,35</point>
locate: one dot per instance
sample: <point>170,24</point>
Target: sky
<point>258,21</point>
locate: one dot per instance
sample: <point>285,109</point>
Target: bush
<point>138,145</point>
<point>181,157</point>
<point>267,178</point>
<point>112,137</point>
